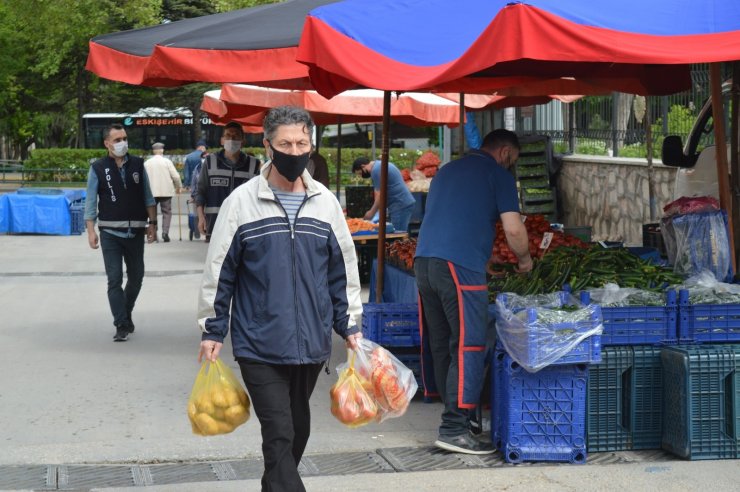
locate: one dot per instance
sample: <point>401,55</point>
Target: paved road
<point>70,395</point>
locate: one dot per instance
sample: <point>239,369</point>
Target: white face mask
<point>232,146</point>
<point>120,148</point>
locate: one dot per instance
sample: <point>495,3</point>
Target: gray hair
<point>286,115</point>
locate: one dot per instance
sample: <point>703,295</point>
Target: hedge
<point>71,165</point>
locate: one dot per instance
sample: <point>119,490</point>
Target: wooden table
<point>364,238</point>
<point>366,246</point>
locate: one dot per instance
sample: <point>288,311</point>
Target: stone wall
<point>611,195</point>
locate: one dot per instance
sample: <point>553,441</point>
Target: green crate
<point>534,182</point>
<point>538,208</point>
<point>647,398</point>
<point>701,398</point>
<point>538,195</point>
<point>531,171</point>
<point>608,408</point>
<point>538,146</point>
<point>528,160</point>
<point>625,400</point>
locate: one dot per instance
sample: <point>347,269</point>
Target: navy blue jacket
<point>280,289</point>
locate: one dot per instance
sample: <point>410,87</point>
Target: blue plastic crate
<point>540,416</point>
<point>625,400</point>
<point>639,325</point>
<point>77,216</point>
<point>702,323</point>
<point>391,324</point>
<point>701,399</point>
<point>587,351</point>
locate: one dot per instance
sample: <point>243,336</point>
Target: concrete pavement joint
<point>164,273</point>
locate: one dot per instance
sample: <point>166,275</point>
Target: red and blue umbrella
<point>636,46</point>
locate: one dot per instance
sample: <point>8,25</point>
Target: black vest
<point>121,205</point>
<point>222,179</point>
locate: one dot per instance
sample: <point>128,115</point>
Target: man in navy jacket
<point>281,272</point>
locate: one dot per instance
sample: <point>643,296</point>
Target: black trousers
<point>117,251</point>
<point>280,395</point>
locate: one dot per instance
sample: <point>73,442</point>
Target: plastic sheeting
<point>29,212</point>
<point>698,241</point>
<point>539,330</point>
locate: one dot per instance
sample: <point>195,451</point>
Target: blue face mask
<point>289,165</point>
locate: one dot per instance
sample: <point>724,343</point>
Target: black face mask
<point>290,166</point>
<point>365,174</point>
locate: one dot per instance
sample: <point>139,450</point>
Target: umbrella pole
<point>723,175</point>
<point>383,195</point>
<point>462,125</point>
<point>339,154</point>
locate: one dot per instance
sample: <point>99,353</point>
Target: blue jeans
<point>400,217</point>
<point>116,251</point>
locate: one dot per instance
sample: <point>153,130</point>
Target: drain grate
<point>388,460</point>
<point>183,473</point>
<point>89,476</point>
<point>430,458</point>
<point>345,464</point>
<point>27,477</point>
<point>248,469</point>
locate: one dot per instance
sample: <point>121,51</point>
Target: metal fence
<point>611,125</point>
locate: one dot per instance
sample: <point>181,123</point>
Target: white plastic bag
<point>538,330</point>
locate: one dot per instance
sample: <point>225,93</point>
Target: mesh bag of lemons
<point>218,404</point>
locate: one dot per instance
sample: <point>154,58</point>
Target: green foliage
<point>175,10</point>
<point>228,5</point>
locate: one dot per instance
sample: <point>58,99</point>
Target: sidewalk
<point>71,396</point>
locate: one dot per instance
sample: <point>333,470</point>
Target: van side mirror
<point>672,152</point>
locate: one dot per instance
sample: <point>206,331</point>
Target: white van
<point>697,175</point>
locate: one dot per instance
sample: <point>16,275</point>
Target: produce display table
<point>366,238</point>
<point>398,286</point>
<point>366,246</point>
<point>31,211</point>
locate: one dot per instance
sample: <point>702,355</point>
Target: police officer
<point>119,197</point>
<point>220,174</point>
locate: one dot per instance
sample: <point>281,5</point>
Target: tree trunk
<point>623,109</point>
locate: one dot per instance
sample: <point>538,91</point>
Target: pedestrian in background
<point>119,197</point>
<point>318,168</point>
<point>466,199</point>
<point>220,174</point>
<point>193,160</point>
<point>281,273</point>
<point>400,201</point>
<point>164,181</point>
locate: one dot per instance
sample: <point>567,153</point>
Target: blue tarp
<point>4,214</point>
<point>40,213</point>
<point>398,286</point>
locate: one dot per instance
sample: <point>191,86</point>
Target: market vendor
<point>466,199</point>
<point>400,200</point>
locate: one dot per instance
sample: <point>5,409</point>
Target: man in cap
<point>165,182</point>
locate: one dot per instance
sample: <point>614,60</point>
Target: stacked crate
<point>541,416</point>
<point>702,395</point>
<point>625,391</point>
<point>533,174</point>
<point>395,326</point>
<point>702,382</point>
